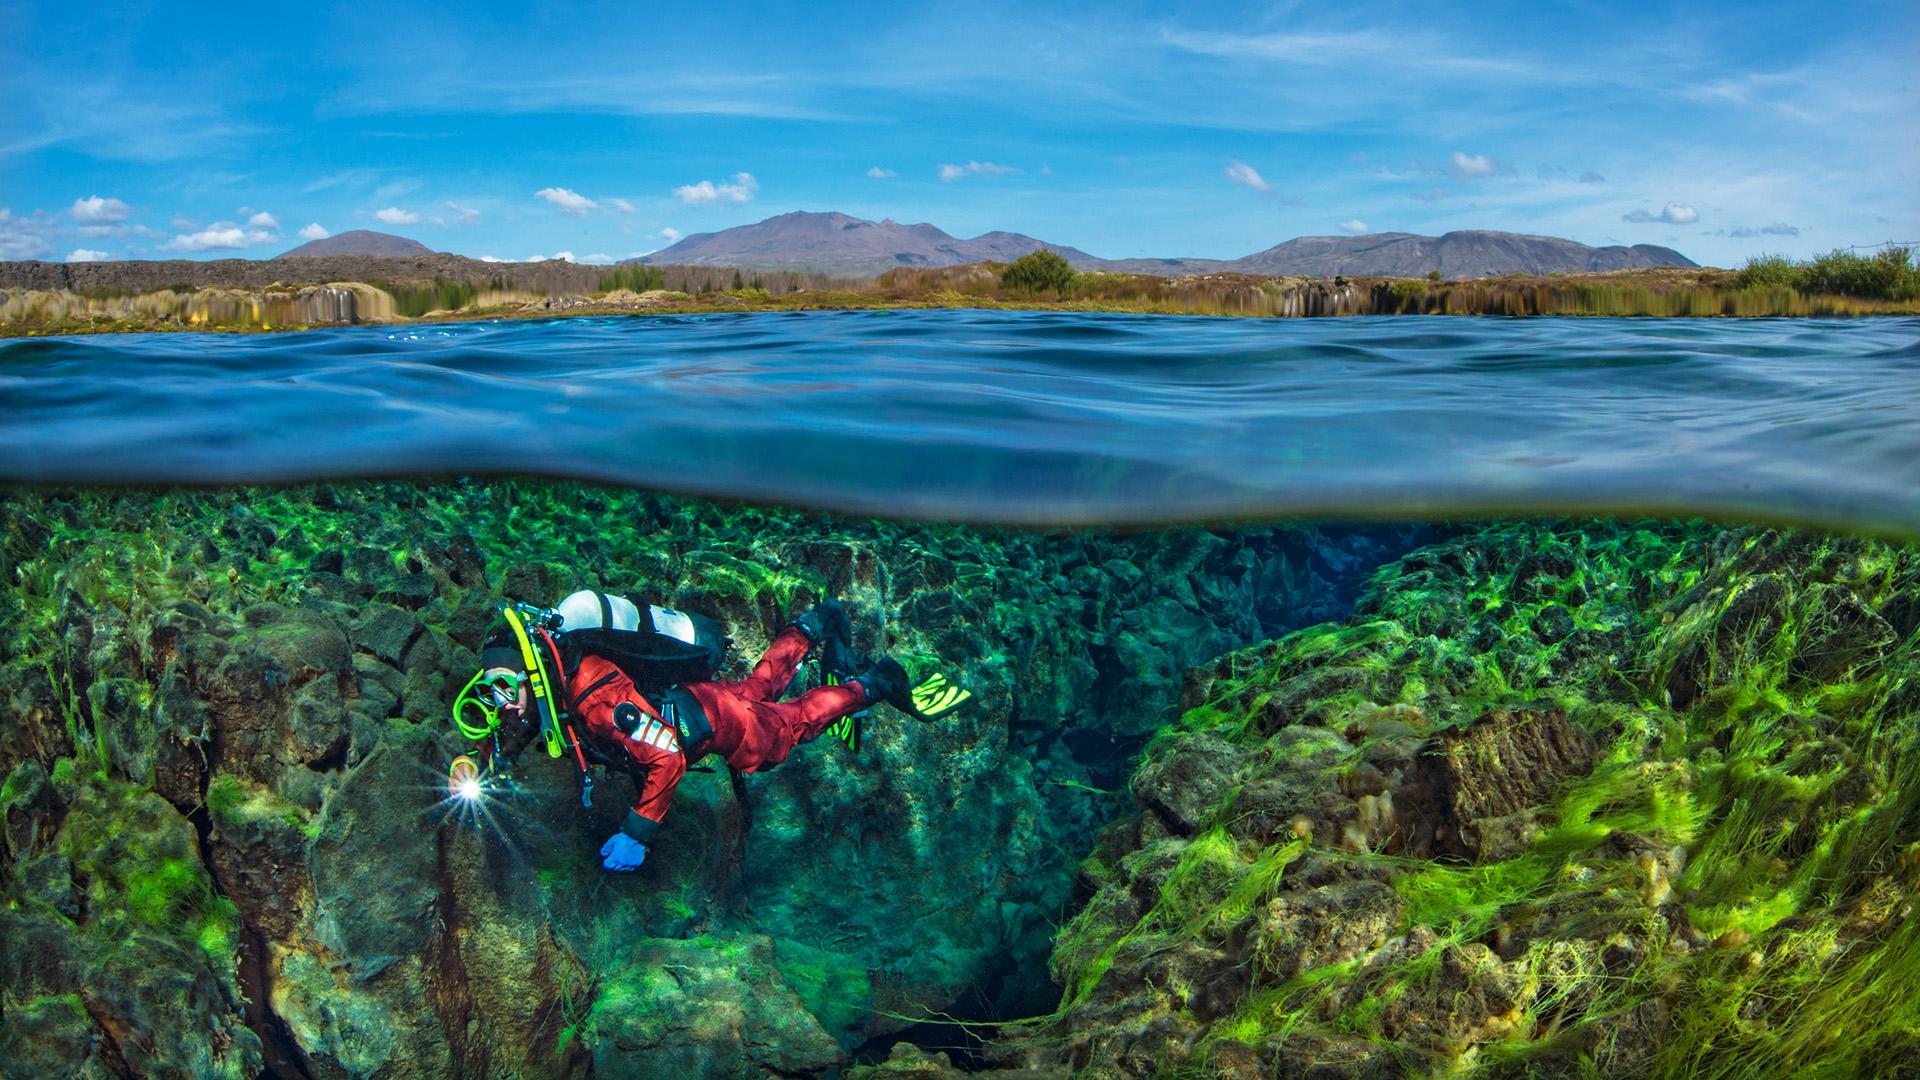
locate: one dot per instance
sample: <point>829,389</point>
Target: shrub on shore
<point>633,278</point>
<point>1887,274</point>
<point>1038,272</point>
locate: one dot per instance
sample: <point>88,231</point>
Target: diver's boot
<point>886,681</point>
<point>826,624</point>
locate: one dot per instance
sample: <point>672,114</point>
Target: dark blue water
<point>1030,418</point>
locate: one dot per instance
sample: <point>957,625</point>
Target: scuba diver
<point>589,677</point>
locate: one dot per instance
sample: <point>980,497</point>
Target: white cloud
<point>356,178</point>
<point>393,189</point>
<point>23,238</point>
<point>1671,214</point>
<point>670,234</point>
<point>598,260</point>
<point>879,173</point>
<point>183,223</point>
<point>314,232</point>
<point>1354,226</point>
<point>1746,232</point>
<point>122,229</point>
<point>491,258</point>
<point>1247,176</point>
<point>567,201</point>
<point>1396,49</point>
<point>462,215</point>
<point>79,255</point>
<point>263,220</point>
<point>393,215</point>
<point>950,173</point>
<point>621,205</point>
<point>95,210</point>
<point>707,193</point>
<point>1472,164</point>
<point>219,236</point>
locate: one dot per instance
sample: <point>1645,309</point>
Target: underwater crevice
<point>448,991</point>
<point>281,1055</point>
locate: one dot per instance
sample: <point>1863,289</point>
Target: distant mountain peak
<point>839,243</point>
<point>361,242</point>
<point>1463,253</point>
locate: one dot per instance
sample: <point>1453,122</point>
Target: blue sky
<point>605,131</point>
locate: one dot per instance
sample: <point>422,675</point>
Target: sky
<point>600,132</point>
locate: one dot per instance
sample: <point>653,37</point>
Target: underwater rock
<point>136,977</point>
<point>1841,633</point>
<point>908,1060</point>
<point>1471,998</point>
<point>1183,785</point>
<point>1510,760</point>
<point>1613,832</point>
<point>697,1008</point>
<point>1302,930</point>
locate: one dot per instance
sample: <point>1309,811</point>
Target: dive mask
<point>476,711</point>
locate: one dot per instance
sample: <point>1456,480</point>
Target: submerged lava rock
<point>266,672</point>
<point>1510,760</point>
<point>659,1017</point>
<point>1539,808</point>
<point>114,942</point>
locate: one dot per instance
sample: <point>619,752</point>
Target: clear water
<point>1024,418</point>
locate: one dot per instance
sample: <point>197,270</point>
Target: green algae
<point>1770,749</point>
<point>1770,741</point>
<point>142,867</point>
<point>236,803</point>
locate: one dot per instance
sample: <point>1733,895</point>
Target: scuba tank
<point>655,647</point>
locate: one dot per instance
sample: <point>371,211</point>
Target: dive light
<point>463,780</point>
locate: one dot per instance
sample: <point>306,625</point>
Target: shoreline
<point>562,293</point>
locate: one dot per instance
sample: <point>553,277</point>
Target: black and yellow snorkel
<point>540,681</point>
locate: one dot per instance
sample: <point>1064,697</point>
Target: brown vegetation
<point>457,290</point>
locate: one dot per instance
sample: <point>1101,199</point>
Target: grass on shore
<point>1888,274</point>
<point>1838,284</point>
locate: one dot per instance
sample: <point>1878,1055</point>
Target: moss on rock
<point>1581,799</point>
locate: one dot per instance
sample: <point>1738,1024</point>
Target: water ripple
<point>1029,418</point>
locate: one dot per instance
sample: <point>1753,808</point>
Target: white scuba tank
<point>589,610</point>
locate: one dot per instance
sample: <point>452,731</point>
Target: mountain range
<point>854,247</point>
<point>841,244</point>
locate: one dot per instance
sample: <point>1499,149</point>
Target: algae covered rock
<point>138,974</point>
<point>705,1008</point>
<point>1562,799</point>
<point>1508,761</point>
<point>271,667</point>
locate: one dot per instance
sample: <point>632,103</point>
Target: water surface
<point>1022,417</point>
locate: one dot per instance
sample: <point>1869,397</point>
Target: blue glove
<point>622,854</point>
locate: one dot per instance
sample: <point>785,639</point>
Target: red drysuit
<point>751,731</point>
